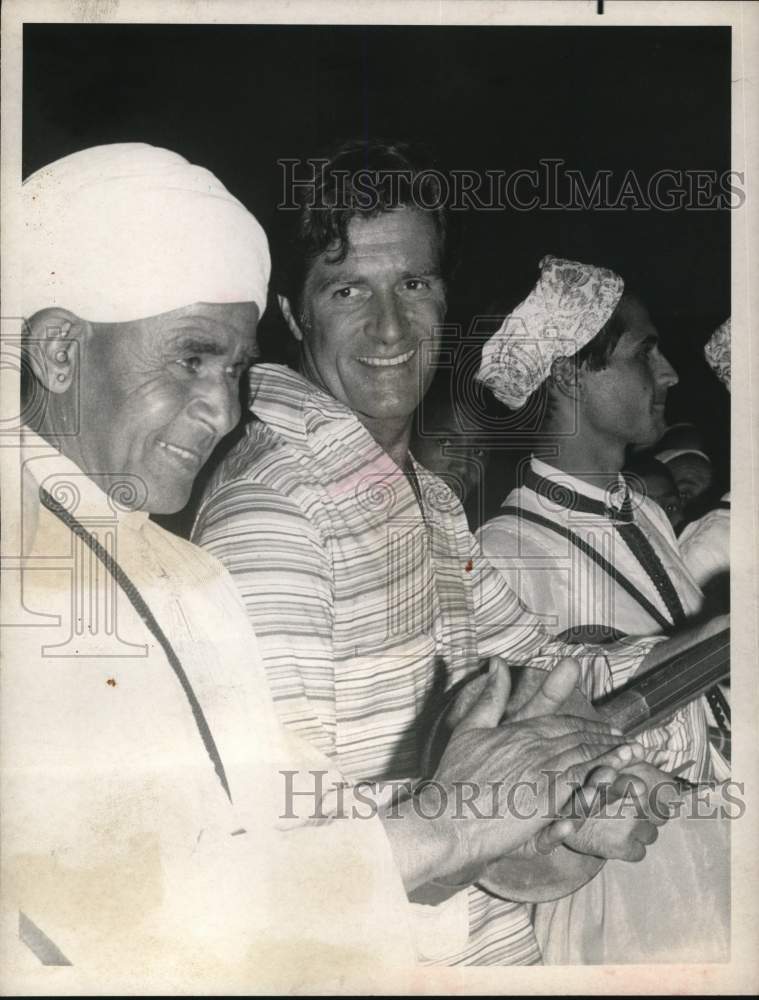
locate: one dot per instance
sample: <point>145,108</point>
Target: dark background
<point>235,98</point>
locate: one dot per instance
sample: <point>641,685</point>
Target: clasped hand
<point>521,775</point>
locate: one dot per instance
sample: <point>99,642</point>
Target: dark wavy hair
<point>596,354</point>
<point>357,179</point>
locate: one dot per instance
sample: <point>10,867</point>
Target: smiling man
<point>371,319</point>
<point>364,585</point>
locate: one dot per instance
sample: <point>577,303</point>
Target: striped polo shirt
<point>366,602</point>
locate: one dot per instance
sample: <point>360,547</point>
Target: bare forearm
<point>423,848</point>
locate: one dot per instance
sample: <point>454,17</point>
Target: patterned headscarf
<point>565,310</point>
<point>717,353</point>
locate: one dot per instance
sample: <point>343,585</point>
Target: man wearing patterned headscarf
<point>593,557</point>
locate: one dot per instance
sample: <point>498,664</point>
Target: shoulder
<point>262,456</point>
<point>512,533</point>
<point>715,522</point>
<point>263,475</point>
<point>194,561</point>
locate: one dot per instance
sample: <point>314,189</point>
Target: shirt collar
<point>45,467</point>
<point>305,416</point>
<point>612,496</point>
<point>292,405</point>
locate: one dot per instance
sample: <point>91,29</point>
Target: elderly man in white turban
<point>149,840</point>
<point>594,558</point>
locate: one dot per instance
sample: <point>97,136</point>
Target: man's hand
<point>627,824</point>
<point>520,775</point>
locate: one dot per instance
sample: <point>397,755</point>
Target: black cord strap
<point>588,550</point>
<point>140,606</point>
<point>641,549</point>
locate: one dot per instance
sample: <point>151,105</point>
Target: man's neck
<point>595,462</point>
<point>392,436</point>
<point>69,445</point>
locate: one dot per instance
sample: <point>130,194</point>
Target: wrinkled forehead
<point>216,329</point>
<point>396,237</point>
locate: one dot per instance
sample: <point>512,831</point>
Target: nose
<point>665,373</point>
<point>389,325</point>
<point>216,403</point>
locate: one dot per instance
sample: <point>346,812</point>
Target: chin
<point>384,409</point>
<point>166,502</point>
<point>645,439</point>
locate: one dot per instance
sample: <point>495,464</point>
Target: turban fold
<point>717,353</point>
<point>563,312</point>
<point>126,231</point>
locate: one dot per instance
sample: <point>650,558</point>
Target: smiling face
<point>365,318</point>
<point>157,394</point>
<point>624,402</point>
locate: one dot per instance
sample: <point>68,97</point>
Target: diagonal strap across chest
<point>139,604</point>
<point>623,522</point>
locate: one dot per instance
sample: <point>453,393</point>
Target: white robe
<point>121,851</point>
<point>674,905</point>
<point>705,545</point>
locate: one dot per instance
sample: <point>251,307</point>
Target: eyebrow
<point>199,344</point>
<point>650,339</point>
<point>344,278</point>
<point>349,278</point>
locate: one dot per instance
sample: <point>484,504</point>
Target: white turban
<point>563,312</point>
<point>717,353</point>
<point>122,232</point>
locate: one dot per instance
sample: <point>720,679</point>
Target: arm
<point>536,573</point>
<point>505,627</point>
<point>282,571</point>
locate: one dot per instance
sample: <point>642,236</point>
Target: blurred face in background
<point>692,474</point>
<point>448,443</point>
<point>661,488</point>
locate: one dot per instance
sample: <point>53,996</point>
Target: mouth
<point>399,359</point>
<point>183,456</point>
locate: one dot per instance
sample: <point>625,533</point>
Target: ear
<point>566,377</point>
<point>284,305</point>
<point>55,336</point>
